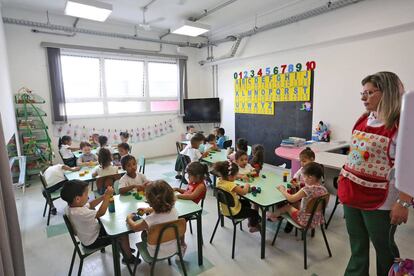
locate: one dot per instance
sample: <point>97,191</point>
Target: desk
<point>88,176</point>
<point>331,160</point>
<point>269,196</point>
<point>215,156</point>
<point>78,153</point>
<point>115,223</point>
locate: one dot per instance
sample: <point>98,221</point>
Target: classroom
<point>214,137</point>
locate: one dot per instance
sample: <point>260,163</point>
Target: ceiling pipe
<point>231,54</point>
<point>330,6</point>
<point>33,24</point>
<point>208,12</point>
<point>36,31</point>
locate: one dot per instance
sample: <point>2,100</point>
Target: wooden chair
<point>49,197</point>
<point>141,164</point>
<point>158,234</point>
<point>227,144</point>
<point>337,202</point>
<point>82,251</point>
<point>317,204</point>
<point>226,198</point>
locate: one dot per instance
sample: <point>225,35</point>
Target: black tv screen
<point>202,110</point>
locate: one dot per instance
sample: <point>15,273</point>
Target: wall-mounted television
<point>202,110</point>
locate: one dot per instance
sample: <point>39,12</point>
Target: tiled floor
<point>48,250</point>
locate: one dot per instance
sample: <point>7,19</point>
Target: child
<point>312,174</point>
<point>221,138</point>
<point>305,156</point>
<point>211,143</point>
<point>241,144</point>
<point>65,150</point>
<point>87,158</point>
<point>257,158</point>
<point>105,161</point>
<point>245,169</point>
<point>123,150</point>
<point>132,179</point>
<point>124,136</point>
<point>215,131</point>
<point>242,209</point>
<point>84,218</point>
<point>196,189</point>
<point>161,199</point>
<point>192,150</point>
<point>190,132</point>
<point>103,143</point>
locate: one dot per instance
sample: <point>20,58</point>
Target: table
<point>268,197</point>
<point>331,160</point>
<point>78,153</point>
<point>88,176</point>
<point>215,156</point>
<point>115,223</point>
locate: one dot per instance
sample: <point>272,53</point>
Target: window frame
<point>105,99</point>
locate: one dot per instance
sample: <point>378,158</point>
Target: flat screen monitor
<point>202,110</point>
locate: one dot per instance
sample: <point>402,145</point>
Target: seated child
<point>161,199</point>
<point>192,149</point>
<point>105,169</point>
<point>190,132</point>
<point>211,143</point>
<point>242,209</point>
<point>103,143</point>
<point>241,144</point>
<point>87,158</point>
<point>220,138</point>
<point>84,218</point>
<point>215,131</point>
<point>305,156</point>
<point>312,174</point>
<point>257,159</point>
<point>124,136</point>
<point>65,149</point>
<point>196,189</point>
<point>245,169</point>
<point>123,150</point>
<point>132,179</point>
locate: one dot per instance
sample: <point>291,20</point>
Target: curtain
<point>11,250</point>
<point>56,85</point>
<point>182,83</point>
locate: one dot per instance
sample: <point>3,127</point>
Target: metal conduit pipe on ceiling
<point>330,6</point>
<point>27,23</point>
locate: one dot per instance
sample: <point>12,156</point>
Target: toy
<point>321,133</point>
<point>255,190</point>
<point>137,196</point>
<point>111,206</point>
<point>136,217</point>
<point>285,176</point>
<point>263,176</point>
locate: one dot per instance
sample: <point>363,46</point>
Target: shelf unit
<point>34,138</point>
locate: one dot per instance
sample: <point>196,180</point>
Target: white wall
<point>28,67</point>
<point>346,44</point>
<point>6,98</point>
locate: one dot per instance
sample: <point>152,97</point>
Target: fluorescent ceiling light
<point>191,29</point>
<point>89,9</point>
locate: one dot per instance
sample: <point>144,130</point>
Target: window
<point>113,85</point>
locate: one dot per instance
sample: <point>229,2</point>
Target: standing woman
<point>371,201</point>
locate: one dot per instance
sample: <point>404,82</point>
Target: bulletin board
<point>272,104</point>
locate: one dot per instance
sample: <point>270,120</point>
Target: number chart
<point>257,92</point>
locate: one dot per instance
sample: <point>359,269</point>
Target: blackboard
<point>269,130</point>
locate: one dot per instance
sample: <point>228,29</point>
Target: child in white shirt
<point>211,143</point>
<point>65,150</point>
<point>105,169</point>
<point>190,132</point>
<point>55,176</point>
<point>132,179</point>
<point>87,158</point>
<point>84,218</point>
<point>245,169</point>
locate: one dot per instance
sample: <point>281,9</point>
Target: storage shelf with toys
<point>33,132</point>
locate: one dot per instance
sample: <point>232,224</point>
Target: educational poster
<point>256,93</point>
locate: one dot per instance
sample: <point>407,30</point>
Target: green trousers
<point>362,227</point>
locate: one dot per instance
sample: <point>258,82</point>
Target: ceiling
<point>162,15</point>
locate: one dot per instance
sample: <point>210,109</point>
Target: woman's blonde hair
<point>392,89</point>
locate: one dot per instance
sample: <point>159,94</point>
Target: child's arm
<point>95,202</point>
<point>241,191</point>
<point>195,194</point>
<point>67,168</point>
<point>242,176</point>
<point>136,226</point>
<point>181,191</point>
<point>291,198</point>
<point>126,189</point>
<point>104,206</point>
<point>73,148</point>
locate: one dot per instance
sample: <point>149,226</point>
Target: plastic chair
<point>105,181</point>
<point>158,234</point>
<point>50,197</point>
<point>317,204</point>
<point>141,164</point>
<point>337,202</point>
<point>82,251</point>
<point>185,160</point>
<point>226,198</point>
<point>227,144</point>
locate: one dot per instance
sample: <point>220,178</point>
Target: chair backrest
<point>72,233</point>
<point>141,163</point>
<point>317,204</point>
<point>43,180</point>
<point>166,231</point>
<point>185,160</point>
<point>105,181</point>
<point>227,144</point>
<point>225,197</point>
<point>178,147</point>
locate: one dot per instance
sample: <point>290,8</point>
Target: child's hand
<point>281,188</point>
<point>294,181</point>
<point>245,177</point>
<point>146,183</point>
<point>109,191</point>
<point>247,186</point>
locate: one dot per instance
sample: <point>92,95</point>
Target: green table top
<point>269,195</point>
<point>115,223</point>
<point>216,156</point>
<point>88,176</point>
<point>78,153</point>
